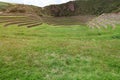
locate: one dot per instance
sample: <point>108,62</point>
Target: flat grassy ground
<point>51,52</point>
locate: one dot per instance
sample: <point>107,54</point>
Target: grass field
<point>49,52</point>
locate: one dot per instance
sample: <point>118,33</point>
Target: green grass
<point>51,52</point>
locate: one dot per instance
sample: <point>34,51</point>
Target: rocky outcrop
<point>66,9</point>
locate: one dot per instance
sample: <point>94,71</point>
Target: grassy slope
<point>3,6</point>
<point>59,53</point>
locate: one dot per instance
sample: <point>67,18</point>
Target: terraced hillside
<point>105,20</point>
<point>55,14</point>
<point>28,21</point>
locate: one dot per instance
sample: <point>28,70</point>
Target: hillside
<point>71,13</point>
<point>84,7</point>
<point>19,9</point>
<point>4,6</point>
<point>72,8</point>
